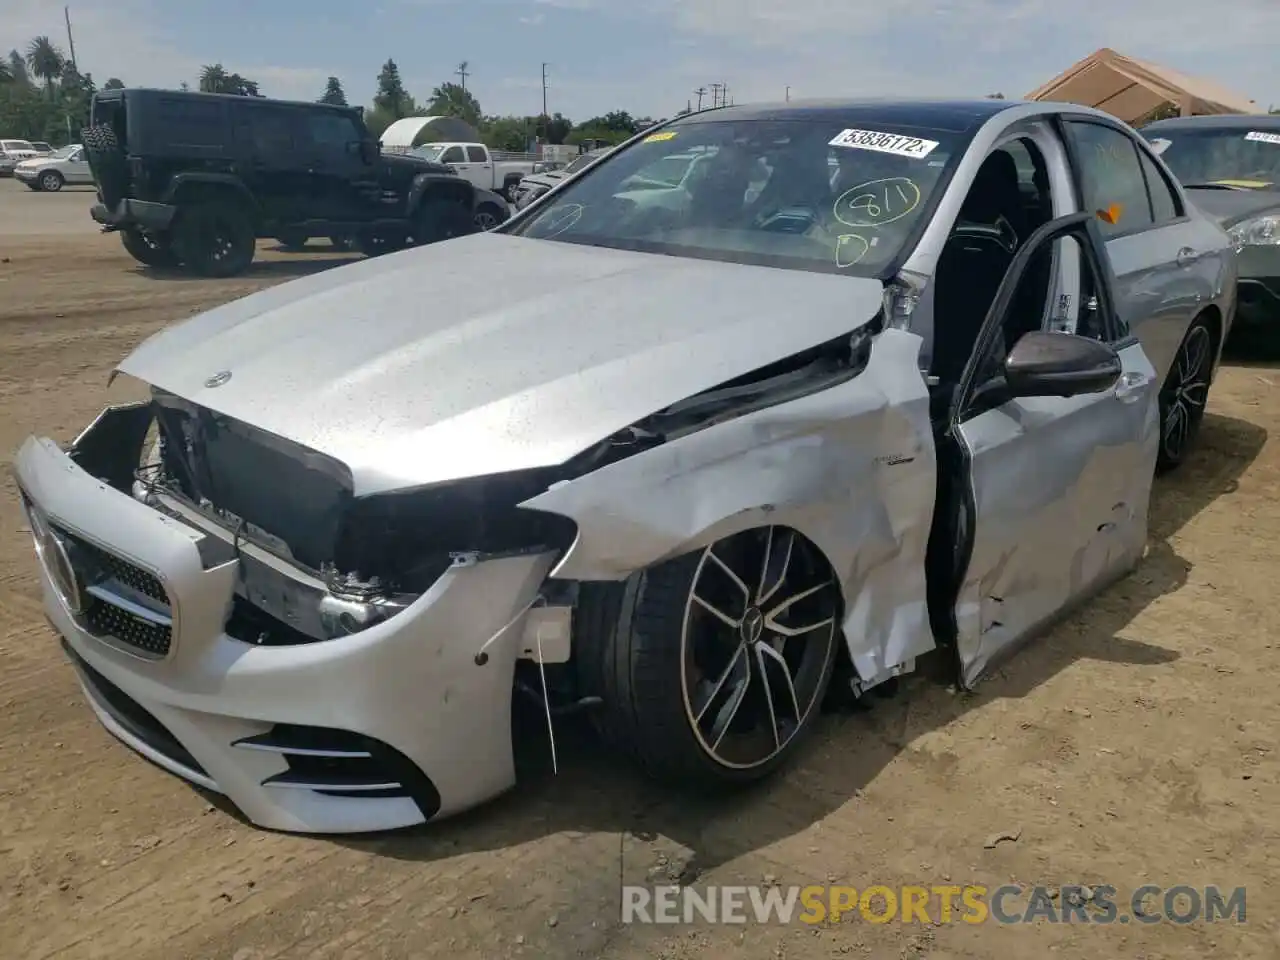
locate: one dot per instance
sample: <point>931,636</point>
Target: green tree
<point>6,74</point>
<point>18,68</point>
<point>508,133</point>
<point>215,79</point>
<point>46,62</point>
<point>453,100</point>
<point>115,83</point>
<point>555,128</point>
<point>333,93</point>
<point>392,99</point>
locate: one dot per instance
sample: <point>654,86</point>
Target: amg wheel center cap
<point>752,625</point>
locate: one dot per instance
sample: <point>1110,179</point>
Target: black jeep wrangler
<point>193,179</point>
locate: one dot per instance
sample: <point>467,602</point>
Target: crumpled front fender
<point>852,467</point>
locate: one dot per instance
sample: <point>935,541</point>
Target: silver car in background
<point>13,152</point>
<point>66,165</point>
<point>705,452</point>
<point>1230,168</point>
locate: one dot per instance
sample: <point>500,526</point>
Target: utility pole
<point>724,97</point>
<point>66,12</point>
<point>715,94</point>
<point>700,93</point>
<point>788,94</point>
<point>463,72</point>
<point>546,117</point>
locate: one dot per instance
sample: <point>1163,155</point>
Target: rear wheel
<point>487,217</point>
<point>51,181</point>
<point>293,240</point>
<point>1184,395</point>
<point>214,239</point>
<point>438,220</point>
<point>376,244</point>
<point>713,666</point>
<point>150,249</point>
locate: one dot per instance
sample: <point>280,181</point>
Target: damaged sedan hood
<point>489,353</point>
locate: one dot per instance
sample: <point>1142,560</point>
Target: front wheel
<point>1184,395</point>
<point>713,666</point>
<point>51,181</point>
<point>487,217</point>
<point>214,239</point>
<point>149,249</point>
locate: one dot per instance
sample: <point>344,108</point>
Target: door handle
<point>1130,386</point>
<point>1187,256</point>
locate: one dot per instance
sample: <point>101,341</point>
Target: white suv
<point>13,152</point>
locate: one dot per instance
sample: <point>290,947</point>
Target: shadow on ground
<point>597,792</point>
<point>304,265</point>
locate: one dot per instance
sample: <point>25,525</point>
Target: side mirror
<point>368,150</point>
<point>1060,365</point>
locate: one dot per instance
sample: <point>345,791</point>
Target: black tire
<point>214,238</point>
<point>1184,395</point>
<point>293,241</point>
<point>50,181</point>
<point>149,249</point>
<point>106,162</point>
<point>377,244</point>
<point>636,656</point>
<point>33,187</point>
<point>342,244</point>
<point>488,216</point>
<point>437,220</point>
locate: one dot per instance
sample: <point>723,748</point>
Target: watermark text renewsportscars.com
<point>945,903</point>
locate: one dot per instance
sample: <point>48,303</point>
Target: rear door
<point>334,167</point>
<point>76,167</point>
<point>1054,491</point>
<point>1156,251</point>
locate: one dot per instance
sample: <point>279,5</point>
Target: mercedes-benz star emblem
<point>218,379</point>
<point>752,625</point>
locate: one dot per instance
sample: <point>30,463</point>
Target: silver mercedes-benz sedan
<point>883,378</point>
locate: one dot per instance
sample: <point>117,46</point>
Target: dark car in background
<point>1230,167</point>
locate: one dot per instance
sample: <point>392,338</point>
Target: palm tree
<point>213,78</point>
<point>45,61</point>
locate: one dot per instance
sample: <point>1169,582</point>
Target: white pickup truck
<point>488,169</point>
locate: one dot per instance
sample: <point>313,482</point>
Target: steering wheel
<point>796,220</point>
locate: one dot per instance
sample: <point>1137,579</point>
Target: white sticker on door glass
<point>1260,137</point>
<point>894,143</point>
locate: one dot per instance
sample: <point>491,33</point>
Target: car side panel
<point>1061,488</point>
<point>1157,296</point>
<point>852,467</point>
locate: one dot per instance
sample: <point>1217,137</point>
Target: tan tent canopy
<point>1131,89</point>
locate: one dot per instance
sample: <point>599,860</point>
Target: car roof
<point>117,92</point>
<point>1225,121</point>
<point>957,116</point>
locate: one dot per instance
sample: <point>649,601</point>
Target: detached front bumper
<point>385,728</point>
<point>134,213</point>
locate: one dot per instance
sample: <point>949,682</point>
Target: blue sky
<point>647,56</point>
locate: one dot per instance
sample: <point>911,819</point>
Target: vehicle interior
<point>1008,201</point>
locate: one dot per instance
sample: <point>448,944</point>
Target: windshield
<point>430,152</point>
<point>63,152</point>
<point>799,194</point>
<point>583,161</point>
<point>1237,156</point>
<point>16,145</point>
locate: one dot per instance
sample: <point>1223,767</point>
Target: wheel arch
<point>1212,315</point>
<point>846,467</point>
<point>195,187</point>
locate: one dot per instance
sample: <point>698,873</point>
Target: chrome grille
<point>119,600</point>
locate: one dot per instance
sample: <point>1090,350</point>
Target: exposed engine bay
<point>318,562</point>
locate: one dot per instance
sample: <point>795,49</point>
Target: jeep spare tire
<point>214,239</point>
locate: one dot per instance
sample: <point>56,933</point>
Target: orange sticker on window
<point>1110,214</point>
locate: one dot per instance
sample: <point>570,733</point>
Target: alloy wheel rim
<point>1186,396</point>
<point>759,624</point>
<point>486,221</point>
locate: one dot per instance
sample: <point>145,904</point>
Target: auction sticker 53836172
<point>894,143</point>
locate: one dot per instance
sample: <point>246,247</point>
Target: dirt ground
<point>1136,744</point>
